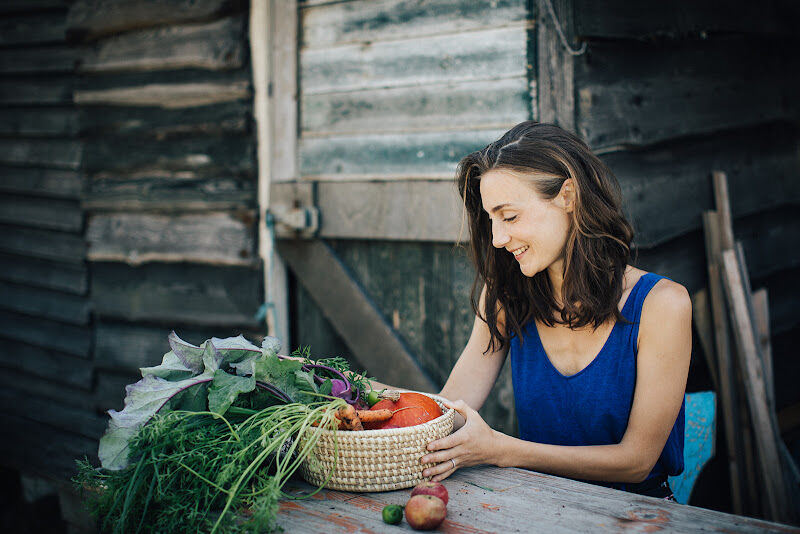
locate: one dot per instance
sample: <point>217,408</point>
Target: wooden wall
<point>128,205</point>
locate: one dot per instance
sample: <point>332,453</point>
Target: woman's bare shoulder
<point>667,299</point>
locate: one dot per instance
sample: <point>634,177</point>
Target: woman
<point>599,349</point>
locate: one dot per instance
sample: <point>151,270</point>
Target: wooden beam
<point>556,76</point>
<point>166,95</point>
<point>374,343</point>
<point>761,316</point>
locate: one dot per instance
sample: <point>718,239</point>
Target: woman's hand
<point>473,444</point>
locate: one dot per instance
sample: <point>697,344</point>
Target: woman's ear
<point>566,196</point>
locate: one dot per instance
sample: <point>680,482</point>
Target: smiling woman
<point>599,349</point>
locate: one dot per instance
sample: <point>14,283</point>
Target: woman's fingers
<point>460,406</point>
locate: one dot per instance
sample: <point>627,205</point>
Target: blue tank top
<point>592,406</point>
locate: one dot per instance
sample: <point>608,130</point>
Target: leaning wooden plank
<point>166,95</point>
<point>45,244</point>
<point>35,91</point>
<point>51,183</point>
<point>59,416</point>
<point>629,93</point>
<point>52,365</point>
<point>52,153</point>
<point>37,302</point>
<point>39,122</point>
<point>373,342</point>
<point>214,238</point>
<point>66,277</point>
<point>72,339</point>
<point>724,215</point>
<point>93,18</point>
<point>704,325</point>
<point>380,20</point>
<point>225,297</point>
<point>389,156</point>
<point>217,45</point>
<point>34,28</point>
<point>725,365</point>
<point>480,55</point>
<point>492,104</point>
<point>619,19</point>
<point>761,317</point>
<point>747,353</point>
<point>53,213</point>
<point>38,60</point>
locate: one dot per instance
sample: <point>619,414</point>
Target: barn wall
<point>128,205</point>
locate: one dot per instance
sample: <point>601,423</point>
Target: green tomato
<point>392,514</point>
<point>373,398</point>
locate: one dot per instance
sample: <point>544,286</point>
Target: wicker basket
<point>375,460</point>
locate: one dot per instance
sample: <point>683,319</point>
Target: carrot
<point>349,418</point>
<point>375,416</point>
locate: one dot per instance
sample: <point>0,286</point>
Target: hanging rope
<point>560,32</point>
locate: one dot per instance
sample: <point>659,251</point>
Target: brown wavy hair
<point>597,248</point>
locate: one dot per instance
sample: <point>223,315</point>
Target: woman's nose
<point>500,237</point>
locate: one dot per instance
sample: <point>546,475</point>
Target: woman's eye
<point>510,219</point>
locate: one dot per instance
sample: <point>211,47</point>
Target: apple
<point>425,512</point>
<point>428,487</point>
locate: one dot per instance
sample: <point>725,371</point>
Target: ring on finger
<point>454,462</point>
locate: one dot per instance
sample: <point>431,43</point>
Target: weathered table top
<point>492,499</point>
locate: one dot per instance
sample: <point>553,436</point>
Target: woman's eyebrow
<point>499,207</point>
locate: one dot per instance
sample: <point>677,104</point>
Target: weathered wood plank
<point>41,182</point>
<point>26,91</point>
<point>89,19</point>
<point>47,387</point>
<point>113,156</point>
<point>480,55</point>
<point>51,213</point>
<point>53,414</point>
<point>46,244</point>
<point>555,89</point>
<point>372,341</point>
<point>390,210</point>
<point>40,449</point>
<point>38,302</point>
<point>619,19</point>
<point>783,287</point>
<point>38,60</point>
<point>39,122</point>
<point>35,28</point>
<point>389,156</point>
<point>214,238</point>
<point>121,346</point>
<point>170,192</point>
<point>55,366</point>
<point>643,93</point>
<point>761,319</point>
<point>166,95</point>
<point>228,118</point>
<point>217,45</point>
<point>376,20</point>
<point>495,104</point>
<point>67,277</point>
<point>54,153</point>
<point>169,293</point>
<point>75,340</point>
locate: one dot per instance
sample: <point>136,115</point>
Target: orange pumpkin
<point>416,409</point>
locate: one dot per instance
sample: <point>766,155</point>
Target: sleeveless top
<point>592,406</point>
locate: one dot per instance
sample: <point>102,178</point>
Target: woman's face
<point>530,228</point>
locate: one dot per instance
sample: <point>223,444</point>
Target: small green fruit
<point>373,397</point>
<point>392,514</point>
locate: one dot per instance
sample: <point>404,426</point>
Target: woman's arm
<point>662,369</point>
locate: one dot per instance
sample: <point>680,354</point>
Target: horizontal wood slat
<point>32,29</point>
<point>67,277</point>
<point>169,293</point>
<point>53,153</point>
<point>75,340</point>
<point>51,213</point>
<point>56,415</point>
<point>38,302</point>
<point>489,54</point>
<point>39,122</point>
<point>55,366</point>
<point>376,20</point>
<point>619,19</point>
<point>41,59</point>
<point>50,183</point>
<point>30,91</point>
<point>45,244</point>
<point>166,95</point>
<point>642,93</point>
<point>93,18</point>
<point>217,45</point>
<point>214,238</point>
<point>494,104</point>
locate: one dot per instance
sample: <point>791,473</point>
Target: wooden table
<point>492,499</point>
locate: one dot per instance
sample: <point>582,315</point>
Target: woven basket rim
<point>395,431</point>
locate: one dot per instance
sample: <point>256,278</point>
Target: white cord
<point>560,32</point>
